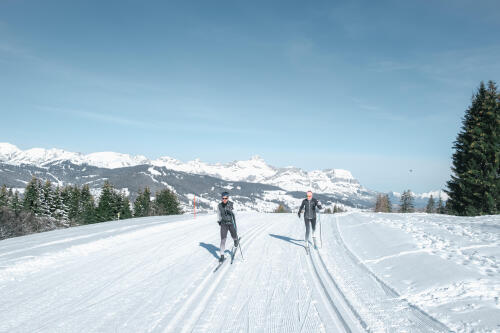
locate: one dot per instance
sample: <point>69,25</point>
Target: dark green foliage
<point>474,188</point>
<point>32,197</point>
<point>142,204</point>
<point>406,202</point>
<point>440,209</point>
<point>106,208</point>
<point>337,209</point>
<point>125,211</point>
<point>4,197</point>
<point>15,203</point>
<point>430,208</point>
<point>87,206</point>
<point>166,203</point>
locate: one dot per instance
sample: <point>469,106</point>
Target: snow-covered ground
<point>375,272</point>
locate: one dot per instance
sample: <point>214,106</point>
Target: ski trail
<point>182,321</point>
<point>370,299</point>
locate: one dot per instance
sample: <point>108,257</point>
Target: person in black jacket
<point>309,205</point>
<point>227,222</point>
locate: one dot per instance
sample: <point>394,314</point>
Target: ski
<point>219,265</point>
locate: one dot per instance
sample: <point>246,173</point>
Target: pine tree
<point>406,203</point>
<point>440,206</point>
<point>32,194</point>
<point>74,208</point>
<point>87,213</point>
<point>142,204</point>
<point>166,203</point>
<point>59,207</point>
<point>15,203</point>
<point>4,197</point>
<point>106,209</point>
<point>474,185</point>
<point>125,211</point>
<point>430,205</point>
<point>46,200</point>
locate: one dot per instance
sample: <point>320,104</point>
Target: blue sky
<point>377,88</point>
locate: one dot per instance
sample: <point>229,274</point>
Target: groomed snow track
<point>156,275</point>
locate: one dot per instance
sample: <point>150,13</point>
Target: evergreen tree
<point>125,211</point>
<point>32,197</point>
<point>166,203</point>
<point>74,208</point>
<point>59,208</point>
<point>106,208</point>
<point>406,203</point>
<point>142,204</point>
<point>46,200</point>
<point>15,203</point>
<point>440,206</point>
<point>4,197</point>
<point>430,205</point>
<point>475,183</point>
<point>87,213</point>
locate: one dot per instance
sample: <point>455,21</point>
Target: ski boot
<point>236,243</point>
<point>221,259</point>
<point>315,244</point>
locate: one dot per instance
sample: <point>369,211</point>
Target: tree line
<point>44,204</point>
<point>383,204</point>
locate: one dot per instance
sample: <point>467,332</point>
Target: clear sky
<point>375,87</point>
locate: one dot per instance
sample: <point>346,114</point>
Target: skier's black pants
<point>223,235</point>
<point>309,223</point>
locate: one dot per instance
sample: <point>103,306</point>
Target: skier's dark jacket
<point>309,207</point>
<point>225,213</point>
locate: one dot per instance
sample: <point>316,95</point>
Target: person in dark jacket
<point>309,205</point>
<point>227,222</point>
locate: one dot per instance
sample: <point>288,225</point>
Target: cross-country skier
<point>310,205</point>
<point>227,221</point>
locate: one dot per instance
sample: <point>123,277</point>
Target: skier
<point>309,205</point>
<point>227,221</point>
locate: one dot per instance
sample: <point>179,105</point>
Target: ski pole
<point>320,230</point>
<point>239,244</point>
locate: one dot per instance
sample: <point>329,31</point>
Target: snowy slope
<point>375,272</point>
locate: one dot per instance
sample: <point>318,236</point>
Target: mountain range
<point>253,184</point>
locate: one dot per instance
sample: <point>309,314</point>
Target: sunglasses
<point>224,198</point>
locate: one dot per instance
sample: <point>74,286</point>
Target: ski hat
<point>224,194</point>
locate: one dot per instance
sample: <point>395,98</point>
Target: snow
<point>253,170</point>
<point>375,272</point>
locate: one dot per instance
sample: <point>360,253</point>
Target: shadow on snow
<point>288,239</point>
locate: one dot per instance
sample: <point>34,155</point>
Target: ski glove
<point>219,222</point>
<point>299,215</point>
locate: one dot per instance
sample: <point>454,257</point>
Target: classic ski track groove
<point>92,293</point>
<point>426,321</point>
<point>203,296</point>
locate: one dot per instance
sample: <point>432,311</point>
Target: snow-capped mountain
<point>254,170</point>
<point>261,186</point>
